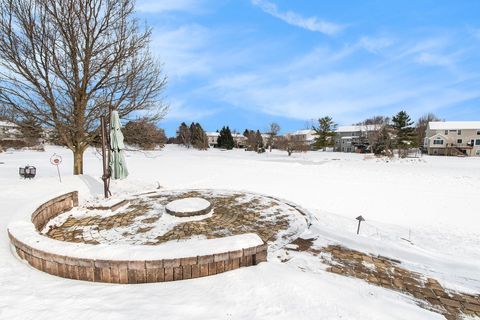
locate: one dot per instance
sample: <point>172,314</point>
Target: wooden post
<point>106,172</point>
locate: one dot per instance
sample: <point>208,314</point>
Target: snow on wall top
<point>26,233</point>
<point>454,125</point>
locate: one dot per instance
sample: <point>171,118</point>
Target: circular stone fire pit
<point>188,207</point>
<point>138,241</point>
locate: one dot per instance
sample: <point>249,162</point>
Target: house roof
<point>454,125</point>
<point>7,124</point>
<point>369,127</point>
<point>306,132</point>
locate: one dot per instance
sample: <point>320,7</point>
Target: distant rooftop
<point>305,131</point>
<point>454,125</point>
<point>369,127</point>
<point>7,124</point>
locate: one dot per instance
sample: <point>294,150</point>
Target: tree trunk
<point>78,161</point>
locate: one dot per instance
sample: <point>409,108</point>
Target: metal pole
<point>104,157</point>
<point>59,177</point>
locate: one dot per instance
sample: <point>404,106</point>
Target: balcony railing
<point>460,145</point>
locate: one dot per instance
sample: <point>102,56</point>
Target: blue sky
<point>247,63</point>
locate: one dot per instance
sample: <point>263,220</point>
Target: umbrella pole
<point>109,149</point>
<point>104,157</point>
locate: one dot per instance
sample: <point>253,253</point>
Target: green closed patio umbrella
<point>118,166</point>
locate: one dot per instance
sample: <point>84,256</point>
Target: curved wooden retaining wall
<point>122,271</point>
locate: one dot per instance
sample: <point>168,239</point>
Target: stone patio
<point>144,220</point>
<point>388,273</point>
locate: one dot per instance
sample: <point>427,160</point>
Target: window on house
<point>477,142</point>
<point>438,141</point>
<point>446,132</point>
<point>477,152</point>
<point>478,132</point>
<point>459,141</point>
<point>459,132</point>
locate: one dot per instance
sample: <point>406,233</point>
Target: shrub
<point>144,134</point>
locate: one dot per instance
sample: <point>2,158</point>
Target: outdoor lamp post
<point>360,219</point>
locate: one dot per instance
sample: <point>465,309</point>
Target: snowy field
<point>424,212</point>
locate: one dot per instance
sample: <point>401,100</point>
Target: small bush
<point>12,144</point>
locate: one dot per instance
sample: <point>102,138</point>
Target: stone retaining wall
<point>122,271</point>
<point>53,208</point>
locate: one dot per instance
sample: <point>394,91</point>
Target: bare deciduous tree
<point>144,134</point>
<point>421,126</point>
<point>272,133</point>
<point>31,131</point>
<point>373,128</point>
<point>290,144</point>
<point>67,62</point>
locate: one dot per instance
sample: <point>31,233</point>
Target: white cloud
<point>295,19</point>
<point>156,6</point>
<point>183,50</point>
<point>323,82</point>
<point>183,111</point>
<point>375,44</point>
<point>434,59</point>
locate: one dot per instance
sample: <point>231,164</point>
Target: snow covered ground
<point>432,202</point>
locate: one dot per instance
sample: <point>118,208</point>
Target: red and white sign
<point>55,159</point>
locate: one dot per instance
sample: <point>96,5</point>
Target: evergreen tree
<point>259,142</point>
<point>251,142</point>
<point>382,144</point>
<point>198,137</point>
<point>404,132</point>
<point>225,139</point>
<point>325,133</point>
<point>183,135</point>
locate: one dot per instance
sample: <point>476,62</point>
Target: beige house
<point>307,136</point>
<point>212,139</point>
<point>453,138</point>
<point>239,139</point>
